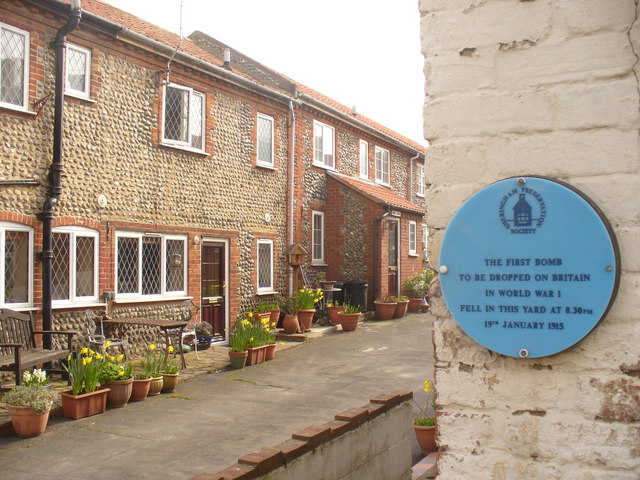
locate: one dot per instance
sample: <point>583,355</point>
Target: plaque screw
<point>608,268</point>
<point>521,181</point>
<point>443,269</point>
<point>524,353</point>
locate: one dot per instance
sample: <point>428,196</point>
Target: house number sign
<point>529,266</point>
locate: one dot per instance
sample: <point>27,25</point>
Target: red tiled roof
<point>149,30</point>
<point>377,193</point>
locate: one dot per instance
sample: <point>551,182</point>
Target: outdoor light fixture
<point>196,240</point>
<point>176,260</point>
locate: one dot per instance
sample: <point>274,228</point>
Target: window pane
<point>85,259</point>
<point>127,265</point>
<point>176,115</point>
<point>328,147</point>
<point>264,265</point>
<point>265,140</point>
<point>412,237</point>
<point>60,266</point>
<point>318,241</point>
<point>364,163</point>
<point>16,267</point>
<point>175,266</point>
<point>12,63</point>
<point>197,105</point>
<point>318,143</point>
<point>151,265</point>
<point>76,70</point>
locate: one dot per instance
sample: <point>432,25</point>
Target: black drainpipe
<point>55,169</point>
<point>376,254</point>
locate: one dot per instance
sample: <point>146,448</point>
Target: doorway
<point>393,258</point>
<point>214,287</point>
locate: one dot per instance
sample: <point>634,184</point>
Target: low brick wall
<point>373,441</point>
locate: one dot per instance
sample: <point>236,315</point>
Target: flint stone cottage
<point>182,170</point>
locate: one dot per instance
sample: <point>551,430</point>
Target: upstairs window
<point>183,115</point>
<point>265,140</point>
<point>364,159</point>
<point>323,145</point>
<point>75,265</point>
<point>78,71</point>
<point>150,265</point>
<point>382,166</point>
<point>413,238</point>
<point>420,179</point>
<point>317,240</point>
<point>265,266</point>
<point>16,261</point>
<point>14,67</point>
<point>425,239</point>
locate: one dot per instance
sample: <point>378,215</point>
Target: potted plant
<point>152,365</point>
<point>414,287</point>
<point>204,335</point>
<point>170,371</point>
<point>385,308</point>
<point>271,308</point>
<point>333,309</point>
<point>118,378</point>
<point>321,276</point>
<point>29,404</point>
<point>306,299</point>
<point>424,422</point>
<point>290,323</point>
<point>84,399</point>
<point>429,275</point>
<point>402,303</point>
<point>350,317</point>
<point>140,386</point>
<point>238,341</point>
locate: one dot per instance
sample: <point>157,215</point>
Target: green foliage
<point>349,309</point>
<point>36,397</point>
<point>426,414</point>
<point>153,362</point>
<point>203,329</point>
<point>170,364</point>
<point>114,368</point>
<point>306,298</point>
<point>417,285</point>
<point>85,368</point>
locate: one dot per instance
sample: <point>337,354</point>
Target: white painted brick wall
<point>544,87</point>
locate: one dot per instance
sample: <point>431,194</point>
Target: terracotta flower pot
<point>140,389</point>
<point>349,321</point>
<point>119,393</point>
<point>238,359</point>
<point>256,355</point>
<point>426,437</point>
<point>27,423</point>
<point>401,308</point>
<point>334,317</point>
<point>270,351</point>
<point>290,324</point>
<point>155,387</point>
<point>414,305</point>
<point>274,316</point>
<point>305,317</point>
<point>85,404</point>
<point>385,310</point>
<point>169,382</point>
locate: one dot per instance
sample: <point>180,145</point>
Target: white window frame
<point>319,259</point>
<point>16,227</point>
<point>260,161</point>
<point>413,241</point>
<point>25,73</point>
<point>163,270</point>
<point>187,145</point>
<point>382,166</point>
<point>74,234</point>
<point>267,288</point>
<point>425,240</point>
<point>328,134</point>
<point>86,92</point>
<point>420,179</point>
<point>364,159</point>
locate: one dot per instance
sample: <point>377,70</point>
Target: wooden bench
<point>18,347</point>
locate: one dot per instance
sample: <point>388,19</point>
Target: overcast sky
<point>359,52</point>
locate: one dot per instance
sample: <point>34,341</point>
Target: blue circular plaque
<point>529,266</point>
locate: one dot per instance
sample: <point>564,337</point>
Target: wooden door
<point>393,258</point>
<point>214,287</point>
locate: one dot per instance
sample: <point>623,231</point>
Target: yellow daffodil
<point>273,325</point>
<point>250,314</point>
<point>120,357</point>
<point>427,386</point>
<point>107,344</point>
<point>170,348</point>
<point>84,351</point>
<point>152,346</point>
<point>69,358</point>
<point>121,373</point>
<point>99,357</point>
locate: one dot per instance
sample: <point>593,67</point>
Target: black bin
<point>355,292</point>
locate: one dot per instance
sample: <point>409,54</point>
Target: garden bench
<point>18,347</point>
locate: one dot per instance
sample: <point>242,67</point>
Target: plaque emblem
<point>522,210</point>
